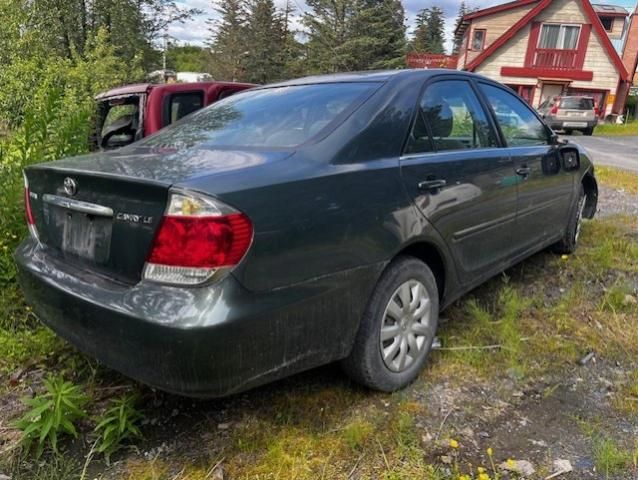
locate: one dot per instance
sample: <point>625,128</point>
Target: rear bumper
<point>561,124</point>
<point>206,342</point>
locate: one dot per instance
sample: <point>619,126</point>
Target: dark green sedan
<point>324,219</point>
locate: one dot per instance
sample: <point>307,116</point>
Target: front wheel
<point>397,328</point>
<point>567,244</point>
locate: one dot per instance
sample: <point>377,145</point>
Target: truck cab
<point>129,113</point>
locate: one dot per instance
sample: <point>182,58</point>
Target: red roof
<point>541,5</point>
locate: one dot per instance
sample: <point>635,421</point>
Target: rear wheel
<point>568,243</point>
<point>588,131</point>
<point>397,328</point>
<point>568,131</point>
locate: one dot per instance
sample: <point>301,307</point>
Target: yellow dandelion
<point>564,257</point>
<point>511,463</point>
<point>480,469</point>
<point>454,443</point>
<point>483,476</point>
<point>490,452</point>
<point>464,477</point>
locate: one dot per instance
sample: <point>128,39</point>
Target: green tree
<point>429,32</point>
<point>377,35</point>
<point>328,24</point>
<point>265,43</point>
<point>187,58</point>
<point>228,40</point>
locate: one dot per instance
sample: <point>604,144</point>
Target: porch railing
<point>555,59</point>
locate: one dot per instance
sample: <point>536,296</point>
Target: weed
<point>52,413</point>
<point>57,467</point>
<point>357,432</point>
<point>119,424</point>
<point>609,457</point>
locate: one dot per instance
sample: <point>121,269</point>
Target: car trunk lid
<point>101,211</point>
<point>102,223</point>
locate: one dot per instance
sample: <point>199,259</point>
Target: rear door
<point>459,177</point>
<point>544,188</point>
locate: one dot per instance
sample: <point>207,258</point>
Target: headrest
<point>440,118</point>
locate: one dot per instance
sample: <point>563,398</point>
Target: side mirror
<point>570,158</point>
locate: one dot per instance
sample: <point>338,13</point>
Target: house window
<point>559,37</point>
<point>478,39</point>
<point>608,23</point>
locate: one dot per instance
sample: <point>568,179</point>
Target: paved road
<point>621,152</point>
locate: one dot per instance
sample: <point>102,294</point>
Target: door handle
<point>432,184</point>
<point>523,171</point>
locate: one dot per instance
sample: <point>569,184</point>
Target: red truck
<point>126,114</point>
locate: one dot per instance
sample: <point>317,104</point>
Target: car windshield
<point>577,103</point>
<point>271,117</point>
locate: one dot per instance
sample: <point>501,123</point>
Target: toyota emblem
<point>70,186</point>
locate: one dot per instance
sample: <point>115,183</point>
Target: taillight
<point>27,208</point>
<point>554,110</point>
<point>198,238</point>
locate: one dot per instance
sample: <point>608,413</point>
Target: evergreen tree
<point>265,43</point>
<point>429,32</point>
<point>228,40</point>
<point>328,24</point>
<point>377,35</point>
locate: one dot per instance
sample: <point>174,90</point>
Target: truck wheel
<point>397,328</point>
<point>568,243</point>
<point>588,131</point>
<point>568,131</point>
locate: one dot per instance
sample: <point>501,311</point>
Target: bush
<point>51,105</point>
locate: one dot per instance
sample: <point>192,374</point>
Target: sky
<point>195,32</point>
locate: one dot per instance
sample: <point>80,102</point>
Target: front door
<point>460,178</point>
<point>544,187</point>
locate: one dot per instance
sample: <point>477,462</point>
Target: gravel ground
<point>613,201</point>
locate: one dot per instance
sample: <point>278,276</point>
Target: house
<point>543,48</point>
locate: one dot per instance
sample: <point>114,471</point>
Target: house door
<point>550,90</point>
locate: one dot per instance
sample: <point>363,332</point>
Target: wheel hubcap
<point>406,329</point>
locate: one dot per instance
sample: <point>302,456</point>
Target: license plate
<point>81,235</point>
<point>575,124</point>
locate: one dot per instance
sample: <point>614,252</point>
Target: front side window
<point>450,117</point>
<point>478,39</point>
<point>518,123</point>
<point>559,37</point>
<point>269,117</point>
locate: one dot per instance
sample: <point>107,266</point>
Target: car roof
<point>370,76</point>
<point>139,88</point>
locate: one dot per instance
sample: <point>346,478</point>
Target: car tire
<point>568,131</point>
<point>380,327</point>
<point>570,239</point>
<point>588,131</point>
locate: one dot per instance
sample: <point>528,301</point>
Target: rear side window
<point>450,117</point>
<point>181,104</point>
<point>518,123</point>
<point>268,117</point>
<point>575,103</point>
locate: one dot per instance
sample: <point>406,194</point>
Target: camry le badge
<point>70,186</point>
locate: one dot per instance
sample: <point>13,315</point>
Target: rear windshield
<point>272,117</point>
<point>576,103</point>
